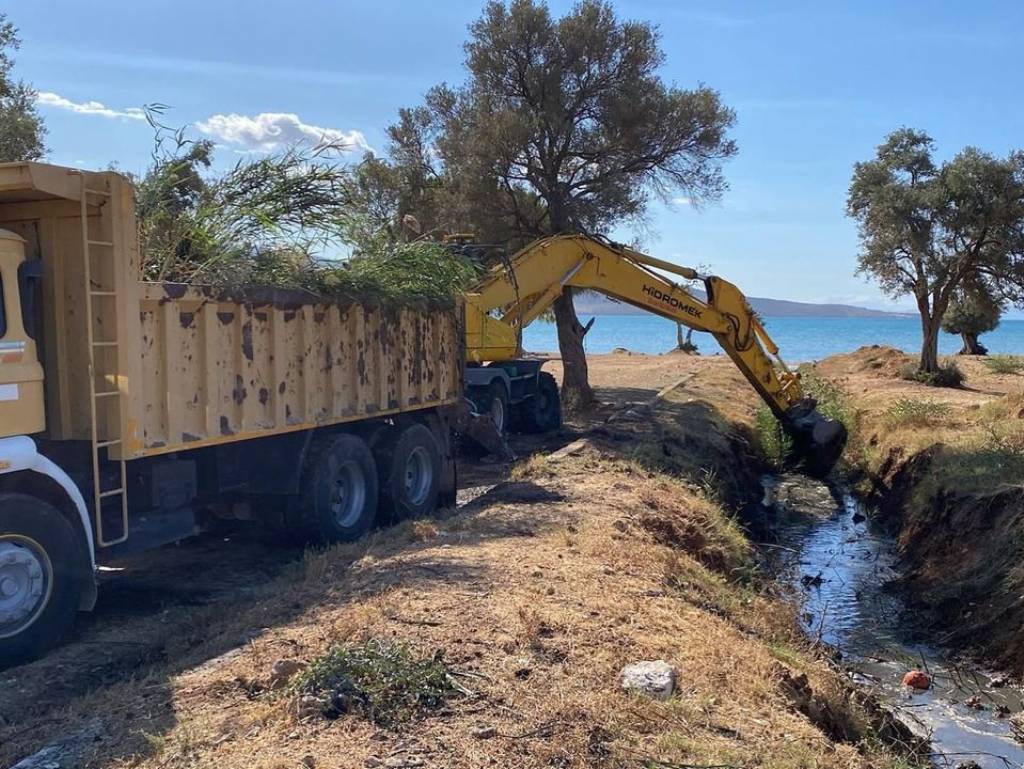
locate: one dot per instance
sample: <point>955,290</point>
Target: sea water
<point>800,340</point>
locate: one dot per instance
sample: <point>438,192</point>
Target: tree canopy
<point>21,127</point>
<point>972,312</point>
<point>926,228</point>
<point>563,124</point>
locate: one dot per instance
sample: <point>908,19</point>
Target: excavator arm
<point>512,295</point>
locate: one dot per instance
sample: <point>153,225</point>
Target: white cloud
<point>269,131</point>
<point>682,201</point>
<point>50,99</point>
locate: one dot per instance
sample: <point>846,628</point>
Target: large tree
<point>21,127</point>
<point>925,228</point>
<point>973,311</point>
<point>562,125</point>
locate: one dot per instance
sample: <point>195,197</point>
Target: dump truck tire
<point>340,501</point>
<point>543,412</point>
<point>41,568</point>
<point>413,476</point>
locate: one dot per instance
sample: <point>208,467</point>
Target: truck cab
<point>46,572</point>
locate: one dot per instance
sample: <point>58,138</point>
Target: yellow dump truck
<point>133,413</point>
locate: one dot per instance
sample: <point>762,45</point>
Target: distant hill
<point>596,304</point>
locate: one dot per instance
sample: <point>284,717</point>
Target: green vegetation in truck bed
<point>268,222</point>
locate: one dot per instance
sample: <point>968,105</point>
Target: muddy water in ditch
<point>840,565</point>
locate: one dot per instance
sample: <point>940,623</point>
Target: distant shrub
<point>910,412</point>
<point>948,375</point>
<point>1005,439</point>
<point>1004,364</point>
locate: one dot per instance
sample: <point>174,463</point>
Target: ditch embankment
<point>944,468</point>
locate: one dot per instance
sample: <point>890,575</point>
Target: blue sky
<point>816,86</point>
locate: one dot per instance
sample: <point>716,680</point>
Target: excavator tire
<point>494,403</point>
<point>543,412</point>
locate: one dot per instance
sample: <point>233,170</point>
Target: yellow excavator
<point>513,389</point>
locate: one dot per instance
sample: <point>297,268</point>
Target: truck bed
<point>175,366</point>
<point>219,367</point>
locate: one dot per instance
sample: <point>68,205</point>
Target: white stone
<point>652,678</point>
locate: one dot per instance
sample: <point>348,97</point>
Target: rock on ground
<point>652,678</point>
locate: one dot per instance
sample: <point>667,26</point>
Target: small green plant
<point>785,652</point>
<point>775,444</point>
<point>385,681</point>
<point>831,399</point>
<point>1004,364</point>
<point>918,413</point>
<point>948,375</point>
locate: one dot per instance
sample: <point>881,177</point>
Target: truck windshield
<point>30,276</point>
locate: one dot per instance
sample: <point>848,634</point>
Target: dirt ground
<point>619,539</point>
<point>946,469</point>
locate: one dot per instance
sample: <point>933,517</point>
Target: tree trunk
<point>576,391</point>
<point>685,343</point>
<point>971,344</point>
<point>929,345</point>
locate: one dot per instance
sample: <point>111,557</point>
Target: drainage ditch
<point>841,567</point>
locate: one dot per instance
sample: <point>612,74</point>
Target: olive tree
<point>972,312</point>
<point>926,228</point>
<point>21,127</point>
<point>562,125</point>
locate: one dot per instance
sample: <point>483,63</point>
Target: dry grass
<point>533,467</point>
<point>980,428</point>
<point>1004,364</point>
<point>912,412</point>
<point>538,594</point>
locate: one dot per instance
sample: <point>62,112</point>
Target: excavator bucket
<point>481,431</point>
<point>818,441</point>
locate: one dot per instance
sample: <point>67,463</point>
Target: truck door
<point>21,375</point>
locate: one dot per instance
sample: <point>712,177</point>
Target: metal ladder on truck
<point>103,294</point>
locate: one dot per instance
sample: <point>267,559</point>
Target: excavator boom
<point>514,294</point>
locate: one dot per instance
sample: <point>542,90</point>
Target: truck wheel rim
<point>26,581</point>
<point>498,413</point>
<point>348,497</point>
<point>419,475</point>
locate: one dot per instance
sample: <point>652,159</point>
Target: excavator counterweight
<point>515,293</point>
